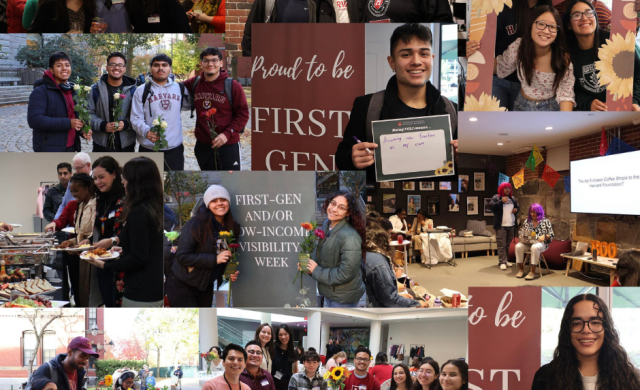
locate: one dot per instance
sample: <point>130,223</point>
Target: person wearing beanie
<point>202,256</point>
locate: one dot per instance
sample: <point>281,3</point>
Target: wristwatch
<point>114,241</point>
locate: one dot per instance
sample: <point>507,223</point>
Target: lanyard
<point>225,379</point>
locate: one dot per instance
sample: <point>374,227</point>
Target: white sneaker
<point>509,265</point>
<point>503,267</point>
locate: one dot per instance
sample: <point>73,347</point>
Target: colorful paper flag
<point>603,143</point>
<point>537,155</point>
<point>618,146</point>
<point>502,178</point>
<point>531,162</point>
<point>518,179</point>
<point>550,176</point>
<point>567,184</point>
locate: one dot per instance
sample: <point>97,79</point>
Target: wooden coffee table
<point>607,262</point>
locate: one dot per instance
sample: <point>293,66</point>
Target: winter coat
<point>339,258</point>
<point>45,22</point>
<point>56,363</point>
<point>172,19</point>
<point>15,10</point>
<point>100,112</point>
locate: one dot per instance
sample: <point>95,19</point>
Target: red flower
<point>117,214</point>
<point>234,246</point>
<point>121,275</point>
<point>122,96</point>
<point>210,113</point>
<point>306,226</point>
<point>319,233</point>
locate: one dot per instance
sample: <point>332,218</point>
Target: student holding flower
<point>202,256</point>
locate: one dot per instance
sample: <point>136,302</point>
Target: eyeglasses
<point>341,207</point>
<point>578,15</point>
<point>113,65</point>
<point>210,62</point>
<point>362,359</point>
<point>577,325</point>
<point>259,353</point>
<point>552,27</point>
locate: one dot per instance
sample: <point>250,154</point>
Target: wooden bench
<point>12,80</point>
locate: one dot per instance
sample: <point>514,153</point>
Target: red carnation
<point>319,233</point>
<point>234,246</point>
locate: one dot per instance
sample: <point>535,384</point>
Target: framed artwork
<point>478,181</point>
<point>433,205</point>
<point>388,203</point>
<point>445,185</point>
<point>413,204</point>
<point>454,203</point>
<point>387,184</point>
<point>487,211</point>
<point>369,200</point>
<point>409,185</point>
<point>463,184</point>
<point>427,186</point>
<point>472,205</point>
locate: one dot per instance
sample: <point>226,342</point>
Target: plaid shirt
<point>300,381</point>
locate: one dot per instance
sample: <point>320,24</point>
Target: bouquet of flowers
<point>208,117</point>
<point>81,101</point>
<point>232,265</point>
<point>118,99</point>
<point>108,380</point>
<point>158,126</point>
<point>209,357</point>
<point>309,244</point>
<point>337,377</point>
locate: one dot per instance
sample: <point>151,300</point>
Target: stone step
<point>14,100</point>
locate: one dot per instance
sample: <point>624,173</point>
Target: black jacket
<point>173,19</point>
<point>52,201</point>
<point>357,126</point>
<point>56,363</point>
<point>496,207</point>
<point>319,12</point>
<point>541,378</point>
<point>45,21</point>
<point>431,11</point>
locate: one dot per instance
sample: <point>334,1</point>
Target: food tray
<point>18,255</point>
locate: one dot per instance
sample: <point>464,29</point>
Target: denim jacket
<point>382,288</point>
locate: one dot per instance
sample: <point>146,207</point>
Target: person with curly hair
<point>536,237</point>
<point>628,271</point>
<point>337,262</point>
<point>589,355</point>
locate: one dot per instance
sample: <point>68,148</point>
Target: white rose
<point>164,125</point>
<point>155,122</point>
<point>76,87</point>
<point>116,95</point>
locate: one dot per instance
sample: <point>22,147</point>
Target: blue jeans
<point>506,91</point>
<point>329,303</point>
<point>523,104</point>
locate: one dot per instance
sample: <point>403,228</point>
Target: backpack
<point>228,92</point>
<point>147,91</point>
<point>54,377</point>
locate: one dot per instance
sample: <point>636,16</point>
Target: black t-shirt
<point>112,90</point>
<point>398,11</point>
<point>280,361</point>
<point>292,11</point>
<point>587,86</point>
<point>404,111</point>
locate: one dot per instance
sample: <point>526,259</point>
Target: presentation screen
<point>606,185</point>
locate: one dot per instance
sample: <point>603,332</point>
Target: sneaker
<point>503,267</point>
<point>509,265</point>
<point>530,276</point>
<point>520,274</point>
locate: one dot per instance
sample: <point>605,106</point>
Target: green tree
<point>185,56</point>
<point>37,56</point>
<point>127,44</point>
<point>140,64</point>
<point>182,186</point>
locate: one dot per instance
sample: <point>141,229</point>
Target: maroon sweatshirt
<point>210,95</point>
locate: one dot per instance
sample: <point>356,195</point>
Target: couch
<point>484,238</point>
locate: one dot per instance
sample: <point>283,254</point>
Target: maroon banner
<point>504,337</point>
<point>304,78</point>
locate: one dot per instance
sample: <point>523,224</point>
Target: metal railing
<point>27,76</point>
<point>232,334</point>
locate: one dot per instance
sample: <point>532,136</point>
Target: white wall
<point>21,174</point>
<point>444,338</point>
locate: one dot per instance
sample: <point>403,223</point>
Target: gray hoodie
<point>164,100</point>
<point>100,112</point>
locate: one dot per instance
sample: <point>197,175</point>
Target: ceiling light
<point>500,144</point>
<point>548,128</point>
<point>473,119</point>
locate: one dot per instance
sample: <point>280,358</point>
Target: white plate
<point>69,230</point>
<point>15,225</point>
<point>115,255</point>
<point>441,227</point>
<point>86,248</point>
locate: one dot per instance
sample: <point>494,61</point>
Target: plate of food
<point>81,248</point>
<point>70,230</point>
<point>99,254</point>
<point>22,302</point>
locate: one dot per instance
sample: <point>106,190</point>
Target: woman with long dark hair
<point>285,358</point>
<point>455,375</point>
<point>382,369</point>
<point>427,378</point>
<point>158,16</point>
<point>140,240</point>
<point>63,16</point>
<point>589,354</point>
<point>628,269</point>
<point>505,211</point>
<point>217,364</point>
<point>264,336</point>
<point>585,39</point>
<point>336,265</point>
<point>202,256</point>
<point>401,378</point>
<point>537,234</point>
<point>542,63</point>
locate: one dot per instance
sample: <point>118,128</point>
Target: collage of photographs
<point>319,194</point>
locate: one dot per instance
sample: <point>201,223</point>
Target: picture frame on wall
<point>413,204</point>
<point>478,181</point>
<point>487,209</point>
<point>472,205</point>
<point>463,184</point>
<point>427,186</point>
<point>445,186</point>
<point>389,203</point>
<point>453,204</point>
<point>369,199</point>
<point>433,205</point>
<point>387,184</point>
<point>409,185</point>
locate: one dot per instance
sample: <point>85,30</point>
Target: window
<point>93,317</point>
<point>449,65</point>
<point>28,347</point>
<point>92,359</point>
<point>49,346</point>
<point>626,317</point>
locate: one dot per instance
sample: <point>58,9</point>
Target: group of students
<point>56,127</point>
<point>546,62</point>
<point>120,16</point>
<point>117,208</point>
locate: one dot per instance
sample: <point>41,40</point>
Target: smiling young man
<point>214,89</point>
<point>102,103</point>
<point>360,377</point>
<point>50,112</point>
<point>409,94</point>
<point>67,370</point>
<point>234,360</point>
<point>310,378</point>
<point>54,196</point>
<point>254,376</point>
<point>160,96</point>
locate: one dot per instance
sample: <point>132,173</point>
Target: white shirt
<point>589,382</point>
<point>508,219</point>
<point>342,15</point>
<point>399,226</point>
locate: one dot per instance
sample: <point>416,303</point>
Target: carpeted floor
<point>483,271</point>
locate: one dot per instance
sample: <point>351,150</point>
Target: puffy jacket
<point>382,288</point>
<point>100,112</point>
<point>15,10</point>
<point>339,258</point>
<point>56,363</point>
<point>47,116</point>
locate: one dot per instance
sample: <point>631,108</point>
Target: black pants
<point>173,159</point>
<point>98,148</point>
<point>106,284</point>
<point>183,295</point>
<point>72,264</point>
<point>228,157</point>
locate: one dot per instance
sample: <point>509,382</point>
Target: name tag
<point>278,375</point>
<point>316,388</point>
<point>265,382</point>
<point>153,19</point>
<point>117,1</point>
<point>381,21</point>
<point>112,214</point>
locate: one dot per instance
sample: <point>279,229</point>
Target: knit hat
<point>215,192</point>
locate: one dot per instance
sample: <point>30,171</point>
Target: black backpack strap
<point>193,88</point>
<point>373,112</point>
<point>182,96</point>
<point>453,116</point>
<point>145,94</point>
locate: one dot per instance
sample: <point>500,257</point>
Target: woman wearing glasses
<point>588,355</point>
<point>338,257</point>
<point>585,38</point>
<point>542,63</point>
